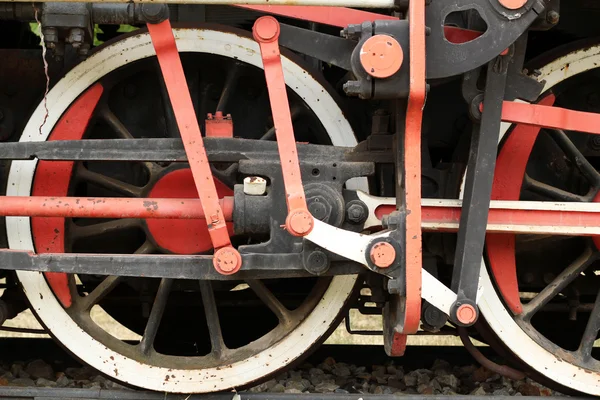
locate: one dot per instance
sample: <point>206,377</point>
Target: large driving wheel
<point>193,336</point>
<point>542,301</point>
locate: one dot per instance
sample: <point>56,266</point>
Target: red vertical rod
<point>183,108</point>
<point>412,165</point>
<point>266,32</point>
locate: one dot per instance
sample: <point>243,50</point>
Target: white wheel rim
<point>492,308</point>
<point>40,295</point>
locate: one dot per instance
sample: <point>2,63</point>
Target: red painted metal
<point>459,35</point>
<point>512,4</point>
<point>412,166</point>
<point>383,255</point>
<point>183,108</point>
<point>519,218</point>
<point>398,345</point>
<point>52,178</point>
<point>381,56</point>
<point>508,179</point>
<point>219,125</point>
<point>108,207</point>
<point>551,117</point>
<point>184,236</point>
<point>266,32</point>
<point>466,314</point>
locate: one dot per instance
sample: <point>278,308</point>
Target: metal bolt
<point>318,210</point>
<point>356,214</point>
<point>154,13</point>
<point>352,31</point>
<point>76,37</point>
<point>352,88</point>
<point>317,262</point>
<point>552,17</point>
<point>50,35</point>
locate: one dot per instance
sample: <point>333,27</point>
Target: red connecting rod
<point>299,221</point>
<point>227,260</point>
<point>108,207</point>
<point>504,217</point>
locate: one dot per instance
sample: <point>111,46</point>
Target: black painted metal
<point>446,59</point>
<point>478,186</point>
<point>328,48</point>
<point>218,149</point>
<point>200,267</point>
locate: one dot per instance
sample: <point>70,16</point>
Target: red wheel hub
<point>53,178</point>
<point>182,236</point>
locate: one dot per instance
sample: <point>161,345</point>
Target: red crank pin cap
<point>383,253</point>
<point>464,312</point>
<point>227,261</point>
<point>381,56</point>
<point>299,222</point>
<point>265,29</point>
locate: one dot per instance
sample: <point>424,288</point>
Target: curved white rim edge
<point>43,300</point>
<point>490,304</point>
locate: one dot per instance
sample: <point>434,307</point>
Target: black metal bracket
<point>504,27</point>
<point>199,267</point>
<point>478,186</point>
<point>171,150</point>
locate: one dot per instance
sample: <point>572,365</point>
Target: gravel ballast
<point>327,377</point>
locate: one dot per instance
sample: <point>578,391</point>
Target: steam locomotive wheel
<point>89,96</point>
<point>554,329</point>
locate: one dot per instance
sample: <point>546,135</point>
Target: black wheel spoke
<point>170,123</point>
<point>212,319</point>
<point>81,232</point>
<point>267,297</point>
<point>591,331</point>
<point>228,87</point>
<point>146,248</point>
<point>109,183</point>
<point>550,192</point>
<point>115,123</point>
<point>559,283</point>
<point>270,134</point>
<point>102,290</point>
<point>158,309</point>
<point>573,153</point>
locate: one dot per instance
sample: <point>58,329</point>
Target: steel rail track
<point>73,393</point>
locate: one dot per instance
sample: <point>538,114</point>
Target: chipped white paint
<point>492,307</point>
<point>353,246</point>
<point>51,312</point>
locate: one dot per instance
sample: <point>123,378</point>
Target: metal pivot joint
<point>227,259</point>
<point>299,221</point>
